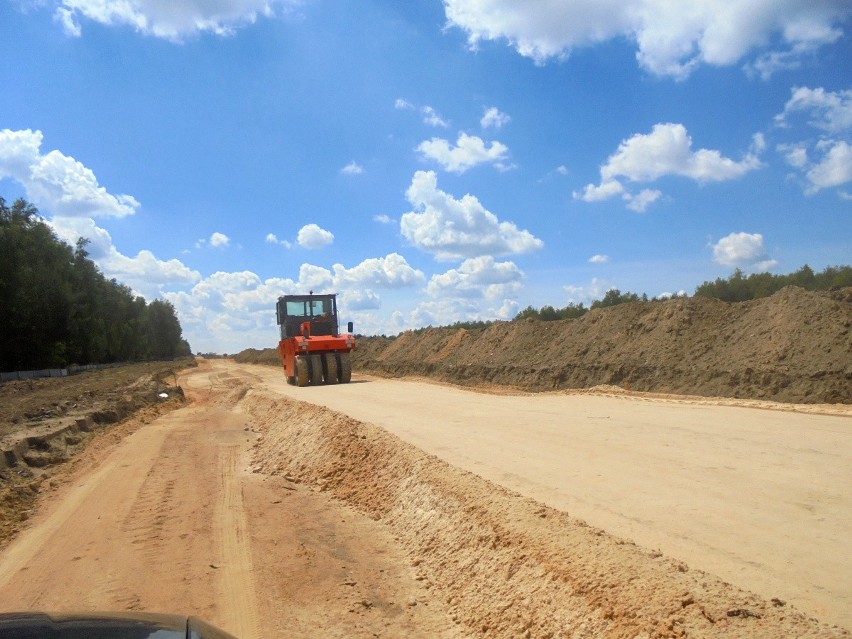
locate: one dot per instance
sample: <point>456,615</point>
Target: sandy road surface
<point>165,517</point>
<point>220,510</point>
<point>757,497</point>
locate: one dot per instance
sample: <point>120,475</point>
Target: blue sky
<point>429,161</point>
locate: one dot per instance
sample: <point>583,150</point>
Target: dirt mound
<point>504,565</point>
<point>46,422</point>
<point>28,403</point>
<point>794,346</point>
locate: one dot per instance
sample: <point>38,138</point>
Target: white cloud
<point>495,118</point>
<point>312,236</point>
<point>383,219</point>
<point>829,111</point>
<point>737,248</point>
<point>55,182</point>
<point>599,259</point>
<point>69,193</point>
<point>240,291</point>
<point>507,310</point>
<point>826,163</point>
<point>360,300</point>
<point>742,249</point>
<point>432,118</point>
<point>586,294</point>
<point>796,155</point>
<point>144,274</point>
<point>402,105</point>
<point>667,150</point>
<point>224,311</point>
<point>758,143</point>
<point>170,20</point>
<point>764,265</point>
<point>443,312</point>
<point>353,168</point>
<point>457,229</point>
<point>771,62</point>
<point>67,19</point>
<point>604,191</point>
<point>271,238</point>
<point>70,229</point>
<point>391,271</point>
<point>314,277</point>
<point>478,277</point>
<point>834,169</point>
<point>673,38</point>
<point>469,151</point>
<point>219,240</point>
<point>446,311</point>
<point>227,311</point>
<point>641,201</point>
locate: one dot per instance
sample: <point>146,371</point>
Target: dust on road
<point>272,517</point>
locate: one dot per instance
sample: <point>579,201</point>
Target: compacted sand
<point>391,508</point>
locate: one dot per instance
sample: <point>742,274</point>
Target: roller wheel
<point>316,369</point>
<point>303,377</point>
<point>329,368</point>
<point>344,368</point>
<point>291,380</point>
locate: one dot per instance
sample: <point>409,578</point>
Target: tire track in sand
<point>46,543</point>
<point>235,582</point>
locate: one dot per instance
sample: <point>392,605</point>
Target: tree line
<point>57,309</point>
<point>740,288</point>
<point>735,288</point>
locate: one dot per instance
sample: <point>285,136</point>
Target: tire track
<point>235,582</point>
<point>30,573</point>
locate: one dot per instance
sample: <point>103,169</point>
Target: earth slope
<point>794,347</point>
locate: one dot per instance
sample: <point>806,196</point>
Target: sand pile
<point>794,346</point>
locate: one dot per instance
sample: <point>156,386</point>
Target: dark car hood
<point>107,625</point>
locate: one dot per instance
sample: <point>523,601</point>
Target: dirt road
<point>169,519</point>
<point>224,510</point>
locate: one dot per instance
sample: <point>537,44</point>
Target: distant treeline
<point>612,297</point>
<point>736,288</point>
<point>740,289</point>
<point>57,309</point>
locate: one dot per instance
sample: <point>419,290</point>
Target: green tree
<point>739,288</point>
<point>35,289</point>
<point>87,322</point>
<point>613,297</point>
<point>57,307</point>
<point>528,312</point>
<point>804,277</point>
<point>548,314</point>
<point>163,330</point>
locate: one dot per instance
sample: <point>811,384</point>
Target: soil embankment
<point>793,347</point>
